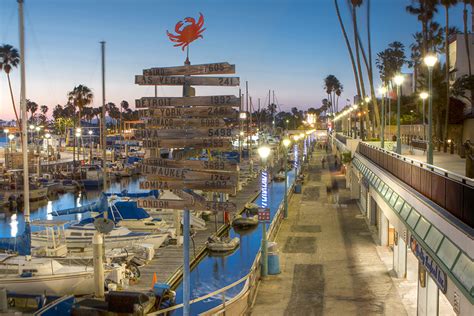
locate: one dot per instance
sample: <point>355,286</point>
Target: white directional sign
<point>181,80</point>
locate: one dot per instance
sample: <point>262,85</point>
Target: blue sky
<point>284,45</point>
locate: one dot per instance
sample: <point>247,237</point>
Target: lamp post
<point>286,143</point>
<point>398,82</point>
<point>91,144</point>
<point>47,136</point>
<point>424,96</point>
<point>32,128</point>
<point>78,135</point>
<point>6,131</point>
<point>264,152</point>
<point>430,61</point>
<point>11,137</point>
<point>383,91</point>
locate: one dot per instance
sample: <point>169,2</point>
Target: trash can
<point>273,263</point>
<point>297,188</point>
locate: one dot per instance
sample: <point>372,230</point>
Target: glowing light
<point>430,60</point>
<point>286,142</point>
<point>424,95</point>
<point>398,79</point>
<point>264,152</point>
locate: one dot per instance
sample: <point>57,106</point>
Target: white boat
<point>79,236</point>
<point>280,176</point>
<point>91,176</point>
<point>222,244</point>
<point>127,214</point>
<point>39,276</point>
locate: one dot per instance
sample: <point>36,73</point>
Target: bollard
<point>97,243</point>
<point>451,147</point>
<point>445,146</point>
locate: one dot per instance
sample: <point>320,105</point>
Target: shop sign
<point>438,275</point>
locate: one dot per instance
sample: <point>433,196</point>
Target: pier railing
<point>238,304</point>
<point>451,191</point>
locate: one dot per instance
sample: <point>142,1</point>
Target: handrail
<point>172,308</point>
<point>433,168</point>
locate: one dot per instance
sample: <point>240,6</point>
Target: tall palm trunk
<point>446,42</point>
<point>466,34</point>
<point>359,68</point>
<point>13,101</point>
<point>349,48</point>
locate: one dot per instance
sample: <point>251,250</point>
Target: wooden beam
<point>215,143</point>
<point>213,186</point>
<point>157,102</point>
<point>185,133</point>
<point>191,204</point>
<point>157,172</point>
<point>165,122</point>
<point>181,80</point>
<point>207,112</point>
<point>201,69</point>
<point>219,165</point>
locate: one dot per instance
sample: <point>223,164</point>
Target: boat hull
<point>110,241</point>
<point>80,283</point>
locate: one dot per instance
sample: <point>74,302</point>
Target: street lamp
<point>6,130</point>
<point>430,60</point>
<point>398,79</point>
<point>382,91</point>
<point>11,137</point>
<point>264,152</point>
<point>47,136</point>
<point>286,143</point>
<point>91,144</point>
<point>424,96</point>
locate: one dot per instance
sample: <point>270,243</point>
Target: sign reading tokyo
<point>438,275</point>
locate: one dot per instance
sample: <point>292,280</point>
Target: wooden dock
<point>169,260</point>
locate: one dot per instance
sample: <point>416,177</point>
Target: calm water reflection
<point>14,223</point>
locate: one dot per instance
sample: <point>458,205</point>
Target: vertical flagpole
<point>24,119</point>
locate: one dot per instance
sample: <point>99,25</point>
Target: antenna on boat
<point>23,129</point>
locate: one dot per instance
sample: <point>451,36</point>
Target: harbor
<point>156,159</point>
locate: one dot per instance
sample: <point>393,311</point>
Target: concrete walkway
<point>328,259</point>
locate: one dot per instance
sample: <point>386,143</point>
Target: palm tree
<point>354,4</point>
<point>79,97</point>
<point>466,34</point>
<point>447,4</point>
<point>390,61</point>
<point>349,47</point>
<point>9,58</point>
<point>31,107</point>
<point>123,106</point>
<point>424,10</point>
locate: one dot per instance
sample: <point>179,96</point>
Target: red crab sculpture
<point>189,33</point>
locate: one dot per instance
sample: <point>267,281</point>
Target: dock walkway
<point>328,259</point>
<point>169,259</point>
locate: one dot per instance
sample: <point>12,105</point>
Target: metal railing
<point>249,279</point>
<point>451,191</point>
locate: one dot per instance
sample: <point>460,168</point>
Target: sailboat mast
<point>104,129</point>
<point>24,118</point>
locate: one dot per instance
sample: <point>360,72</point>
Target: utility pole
<point>104,129</point>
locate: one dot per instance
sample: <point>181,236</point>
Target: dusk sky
<point>284,45</point>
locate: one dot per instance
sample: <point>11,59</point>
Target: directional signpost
<point>186,125</point>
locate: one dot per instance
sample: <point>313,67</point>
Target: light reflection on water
<point>14,223</point>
